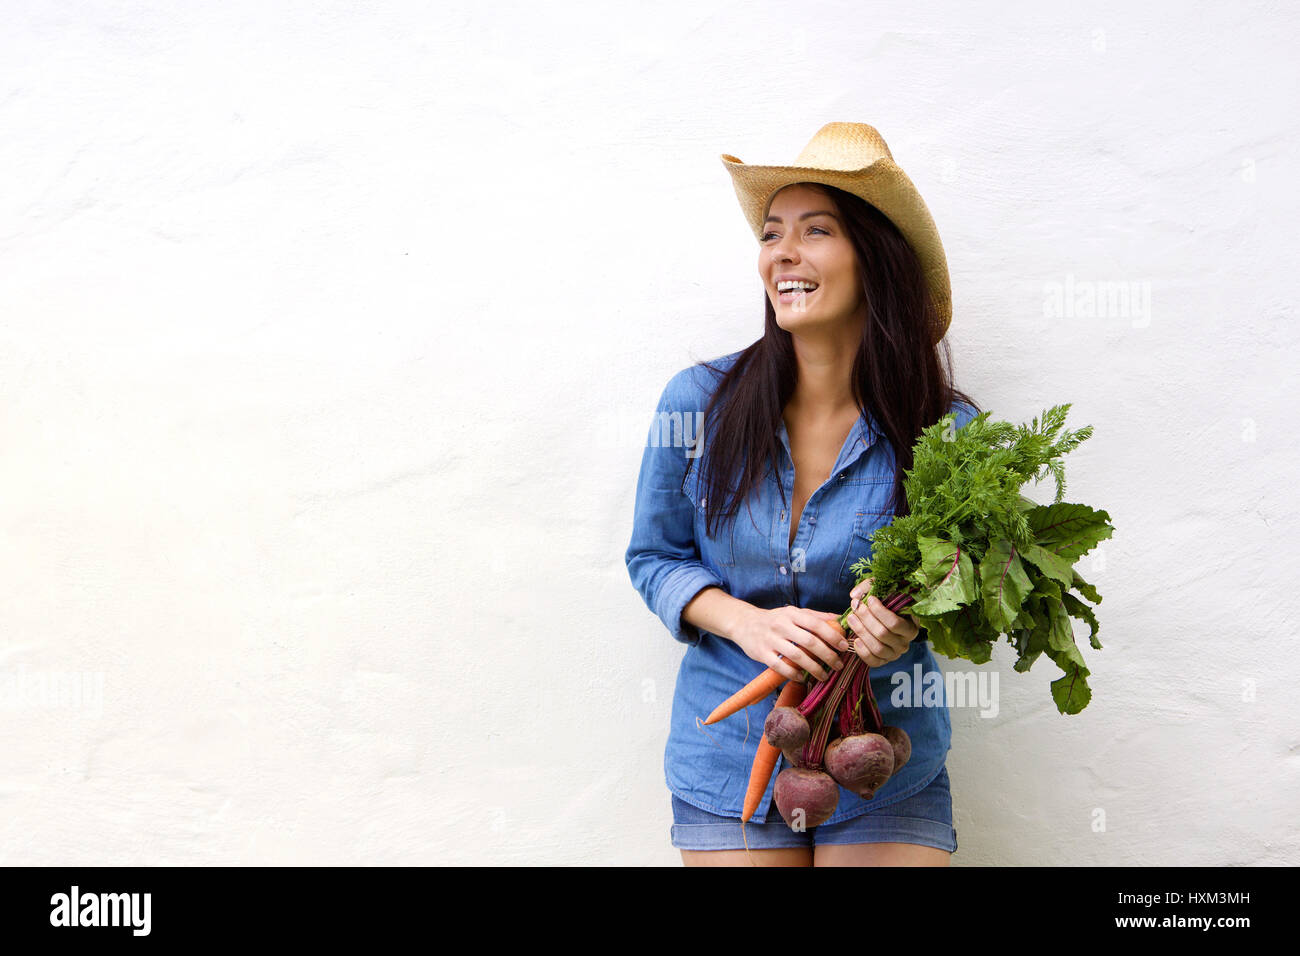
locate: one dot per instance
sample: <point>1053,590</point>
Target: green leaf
<point>1051,564</point>
<point>1069,530</point>
<point>1086,589</point>
<point>1030,643</point>
<point>938,634</point>
<point>1081,611</point>
<point>949,575</point>
<point>1071,691</point>
<point>958,634</point>
<point>1003,584</point>
<point>1060,636</point>
<point>973,635</point>
<point>1045,588</point>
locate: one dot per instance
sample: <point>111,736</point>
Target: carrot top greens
<point>980,559</point>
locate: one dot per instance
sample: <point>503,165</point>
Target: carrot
<point>765,757</point>
<point>751,693</point>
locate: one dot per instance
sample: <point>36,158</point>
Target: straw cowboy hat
<point>853,157</point>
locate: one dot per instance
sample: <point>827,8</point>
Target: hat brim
<point>883,184</point>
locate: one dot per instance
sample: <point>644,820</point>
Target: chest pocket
<point>871,511</point>
<point>865,524</point>
<point>718,549</point>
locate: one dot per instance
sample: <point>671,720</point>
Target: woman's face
<point>804,239</point>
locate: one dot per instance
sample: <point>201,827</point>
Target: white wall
<point>330,336</point>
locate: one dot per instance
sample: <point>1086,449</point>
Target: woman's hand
<point>879,635</point>
<point>792,639</point>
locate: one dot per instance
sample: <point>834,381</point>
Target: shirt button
<point>783,569</point>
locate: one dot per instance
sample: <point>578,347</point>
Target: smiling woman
<point>826,281</point>
<point>742,551</point>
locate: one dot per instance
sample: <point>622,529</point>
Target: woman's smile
<point>792,292</point>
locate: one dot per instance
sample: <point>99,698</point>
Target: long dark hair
<point>899,375</point>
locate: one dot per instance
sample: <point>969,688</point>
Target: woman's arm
<point>716,611</point>
<point>663,561</point>
<point>787,639</point>
<point>662,557</point>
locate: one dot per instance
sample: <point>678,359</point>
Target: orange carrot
<point>751,693</point>
<point>765,758</point>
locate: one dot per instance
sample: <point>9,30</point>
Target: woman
<point>765,475</point>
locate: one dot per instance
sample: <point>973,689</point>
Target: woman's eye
<point>766,235</point>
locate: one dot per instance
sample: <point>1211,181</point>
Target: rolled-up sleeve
<point>663,558</point>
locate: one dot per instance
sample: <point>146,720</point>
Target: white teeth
<point>793,285</point>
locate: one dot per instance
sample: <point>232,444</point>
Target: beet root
<point>786,728</point>
<point>902,745</point>
<point>861,763</point>
<point>794,757</point>
<point>805,798</point>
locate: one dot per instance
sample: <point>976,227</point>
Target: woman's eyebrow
<point>807,215</point>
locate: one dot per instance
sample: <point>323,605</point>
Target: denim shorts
<point>925,818</point>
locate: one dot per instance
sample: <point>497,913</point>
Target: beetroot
<point>902,745</point>
<point>786,728</point>
<point>863,755</point>
<point>806,798</point>
<point>860,763</point>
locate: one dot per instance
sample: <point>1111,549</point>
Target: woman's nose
<point>783,251</point>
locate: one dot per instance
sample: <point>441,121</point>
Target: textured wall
<point>330,336</point>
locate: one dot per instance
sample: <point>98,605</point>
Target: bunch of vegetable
<point>833,737</point>
<point>974,559</point>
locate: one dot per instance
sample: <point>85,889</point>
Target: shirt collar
<point>856,443</point>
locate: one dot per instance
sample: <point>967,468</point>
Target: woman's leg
<point>880,854</point>
<point>795,856</point>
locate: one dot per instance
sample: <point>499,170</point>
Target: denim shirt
<point>670,559</point>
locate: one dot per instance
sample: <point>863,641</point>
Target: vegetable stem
<point>815,749</point>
